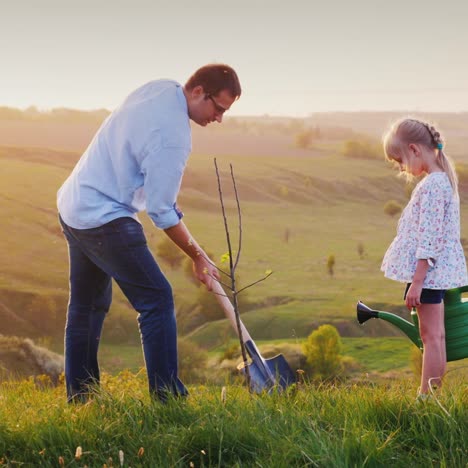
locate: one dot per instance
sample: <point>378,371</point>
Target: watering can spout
<point>365,313</point>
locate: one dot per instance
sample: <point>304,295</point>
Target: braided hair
<point>410,130</point>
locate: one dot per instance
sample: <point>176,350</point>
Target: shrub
<point>322,350</point>
<point>362,149</point>
<point>305,138</point>
<point>392,208</point>
<point>331,264</point>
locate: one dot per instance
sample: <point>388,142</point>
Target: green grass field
<point>340,426</point>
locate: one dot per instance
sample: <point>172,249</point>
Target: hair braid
<point>436,136</point>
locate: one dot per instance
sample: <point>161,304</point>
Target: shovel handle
<point>252,349</point>
<point>228,309</point>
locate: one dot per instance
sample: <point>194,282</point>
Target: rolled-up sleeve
<point>431,227</point>
<point>163,167</point>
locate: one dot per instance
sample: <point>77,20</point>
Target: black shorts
<point>429,296</point>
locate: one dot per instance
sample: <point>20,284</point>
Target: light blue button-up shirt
<point>135,162</point>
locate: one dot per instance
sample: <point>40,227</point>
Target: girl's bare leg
<point>432,330</point>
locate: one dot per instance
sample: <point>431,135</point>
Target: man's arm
<point>203,268</point>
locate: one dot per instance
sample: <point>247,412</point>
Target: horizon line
<point>35,109</point>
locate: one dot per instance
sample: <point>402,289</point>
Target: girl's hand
<point>413,296</point>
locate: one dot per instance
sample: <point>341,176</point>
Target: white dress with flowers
<point>429,228</point>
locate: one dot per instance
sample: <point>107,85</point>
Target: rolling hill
<point>299,206</point>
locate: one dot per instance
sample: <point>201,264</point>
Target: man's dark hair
<point>214,78</point>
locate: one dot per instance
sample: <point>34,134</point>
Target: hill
<point>298,207</point>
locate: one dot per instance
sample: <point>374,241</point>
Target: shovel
<point>265,374</point>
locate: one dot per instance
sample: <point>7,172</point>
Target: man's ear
<point>197,91</point>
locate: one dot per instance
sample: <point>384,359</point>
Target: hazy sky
<point>294,57</point>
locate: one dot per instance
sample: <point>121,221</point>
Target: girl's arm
<point>413,295</point>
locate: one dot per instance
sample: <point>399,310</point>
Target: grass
<point>343,426</point>
<point>380,355</point>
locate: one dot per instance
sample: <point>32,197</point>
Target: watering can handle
<point>463,289</point>
<point>228,309</point>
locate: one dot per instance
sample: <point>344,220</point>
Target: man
<point>135,162</point>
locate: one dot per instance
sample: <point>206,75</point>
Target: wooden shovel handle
<point>252,349</point>
<point>228,309</point>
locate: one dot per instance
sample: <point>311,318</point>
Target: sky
<point>293,57</point>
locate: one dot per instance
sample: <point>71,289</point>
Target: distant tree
<point>284,191</point>
<point>306,137</point>
<point>303,139</point>
<point>331,264</point>
<point>360,250</point>
<point>170,253</point>
<point>10,113</point>
<point>322,350</point>
<point>392,208</point>
<point>362,149</point>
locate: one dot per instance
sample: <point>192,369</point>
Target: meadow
<point>364,425</point>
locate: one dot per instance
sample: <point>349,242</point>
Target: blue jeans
<point>117,250</point>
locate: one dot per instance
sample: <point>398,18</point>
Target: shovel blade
<point>278,367</point>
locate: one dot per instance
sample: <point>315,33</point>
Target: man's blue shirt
<point>135,161</point>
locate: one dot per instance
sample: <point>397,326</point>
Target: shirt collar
<point>182,98</point>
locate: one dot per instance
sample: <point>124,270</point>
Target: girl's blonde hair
<point>406,131</point>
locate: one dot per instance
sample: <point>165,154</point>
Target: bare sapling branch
<point>255,282</point>
<point>239,215</point>
<point>232,276</point>
<point>233,266</point>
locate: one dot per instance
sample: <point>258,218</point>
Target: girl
<point>426,252</point>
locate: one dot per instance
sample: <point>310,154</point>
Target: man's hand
<point>205,271</point>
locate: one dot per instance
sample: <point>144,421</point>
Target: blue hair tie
<point>440,146</point>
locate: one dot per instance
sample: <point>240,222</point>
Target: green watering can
<point>456,323</point>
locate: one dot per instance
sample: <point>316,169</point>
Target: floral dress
<point>429,228</point>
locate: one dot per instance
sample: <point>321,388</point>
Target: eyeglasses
<point>219,109</point>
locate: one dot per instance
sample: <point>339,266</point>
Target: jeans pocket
<point>125,233</point>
